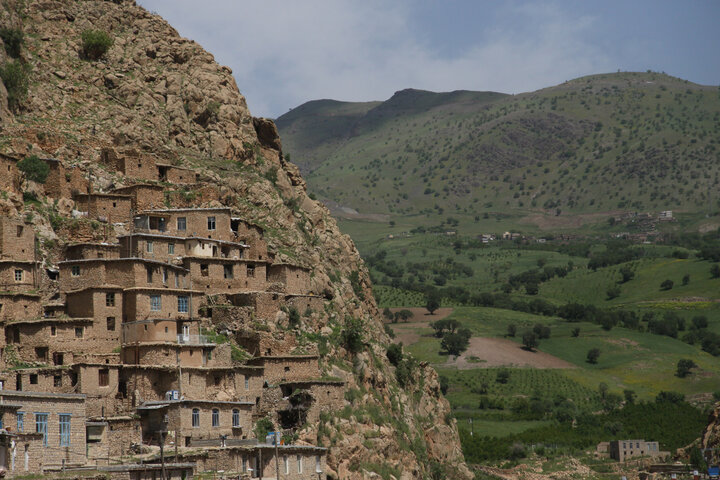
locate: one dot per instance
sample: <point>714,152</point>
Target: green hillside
<point>603,143</point>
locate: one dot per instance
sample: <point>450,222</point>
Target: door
<point>186,332</point>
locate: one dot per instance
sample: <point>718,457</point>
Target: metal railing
<point>194,340</point>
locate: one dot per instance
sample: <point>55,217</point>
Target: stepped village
<point>113,359</point>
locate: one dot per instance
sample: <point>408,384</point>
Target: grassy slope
<point>595,144</point>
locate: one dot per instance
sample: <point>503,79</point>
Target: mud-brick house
<point>168,247</point>
<point>130,163</point>
<point>192,421</point>
<point>20,306</point>
<point>213,223</point>
<point>286,368</point>
<point>123,272</point>
<point>307,399</point>
<point>111,436</point>
<point>64,182</point>
<point>143,196</point>
<point>44,379</point>
<point>56,340</point>
<point>195,351</point>
<point>296,462</point>
<point>10,177</point>
<point>91,250</point>
<point>18,276</point>
<point>58,418</point>
<point>176,175</point>
<point>252,235</point>
<point>17,240</point>
<point>101,303</point>
<point>106,207</point>
<point>99,382</point>
<point>213,275</point>
<point>295,278</point>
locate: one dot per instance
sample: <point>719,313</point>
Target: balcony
<point>194,340</point>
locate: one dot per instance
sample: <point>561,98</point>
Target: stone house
<point>286,368</point>
<point>295,278</point>
<point>19,306</point>
<point>251,235</point>
<point>20,453</point>
<point>143,196</point>
<point>193,420</point>
<point>213,275</point>
<point>124,272</point>
<point>17,240</point>
<point>622,450</point>
<point>106,207</point>
<point>307,399</point>
<point>99,382</point>
<point>64,182</point>
<point>99,303</point>
<point>132,164</point>
<point>213,223</point>
<point>44,379</point>
<point>58,417</point>
<point>176,175</point>
<point>18,276</point>
<point>87,251</point>
<point>110,436</point>
<point>11,179</point>
<point>168,248</point>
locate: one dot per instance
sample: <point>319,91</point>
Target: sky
<point>285,53</point>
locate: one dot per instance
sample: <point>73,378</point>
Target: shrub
<point>34,168</point>
<point>456,343</point>
<point>503,376</point>
<point>444,384</point>
<point>511,330</point>
<point>432,304</point>
<point>530,341</point>
<point>293,317</point>
<point>613,291</point>
<point>715,271</point>
<point>395,353</point>
<point>352,335</point>
<point>13,40</point>
<point>95,43</point>
<point>263,427</point>
<point>575,332</point>
<point>686,279</point>
<point>627,274</point>
<point>593,355</point>
<point>667,285</point>
<point>684,367</point>
<point>14,76</point>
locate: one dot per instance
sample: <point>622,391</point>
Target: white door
<point>186,333</point>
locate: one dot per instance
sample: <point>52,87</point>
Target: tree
<point>503,376</point>
<point>432,304</point>
<point>511,330</point>
<point>13,39</point>
<point>395,353</point>
<point>532,288</point>
<point>699,322</point>
<point>627,274</point>
<point>34,169</point>
<point>613,291</point>
<point>575,332</point>
<point>686,279</point>
<point>388,314</point>
<point>456,343</point>
<point>697,460</point>
<point>293,317</point>
<point>352,335</point>
<point>530,341</point>
<point>404,315</point>
<point>684,367</point>
<point>592,355</point>
<point>542,331</point>
<point>715,271</point>
<point>603,389</point>
<point>95,43</point>
<point>630,396</point>
<point>263,427</point>
<point>667,285</point>
<point>444,384</point>
<point>15,76</point>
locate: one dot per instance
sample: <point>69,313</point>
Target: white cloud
<point>284,53</point>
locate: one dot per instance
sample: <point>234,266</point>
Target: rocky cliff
<point>156,94</point>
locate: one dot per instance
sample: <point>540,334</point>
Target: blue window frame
<point>182,304</point>
<point>236,418</point>
<point>21,422</point>
<point>41,426</point>
<point>155,303</point>
<point>215,417</point>
<point>64,429</point>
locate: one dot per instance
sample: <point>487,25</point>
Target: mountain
<point>596,144</point>
<point>160,98</point>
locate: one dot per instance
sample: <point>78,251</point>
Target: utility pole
<point>277,459</point>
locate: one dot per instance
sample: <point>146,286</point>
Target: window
<point>182,223</point>
<point>41,423</point>
<point>18,275</point>
<point>211,223</point>
<point>182,304</point>
<point>236,418</point>
<point>244,464</point>
<point>299,463</point>
<point>251,270</point>
<point>155,303</point>
<point>247,382</point>
<point>171,249</point>
<point>149,272</point>
<point>75,270</point>
<point>149,247</point>
<point>195,417</point>
<point>165,276</point>
<point>215,417</point>
<point>53,330</point>
<point>19,230</point>
<point>111,324</point>
<point>228,271</point>
<point>109,299</point>
<point>177,280</point>
<point>57,380</point>
<point>64,429</point>
<point>21,422</point>
<point>286,464</point>
<point>79,331</point>
<point>33,379</point>
<point>103,377</point>
<point>317,463</point>
<point>204,270</point>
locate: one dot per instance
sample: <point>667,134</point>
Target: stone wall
<point>17,240</point>
<point>143,196</point>
<point>218,275</point>
<point>10,180</point>
<point>142,304</point>
<point>82,251</point>
<point>18,276</point>
<point>296,279</point>
<point>64,182</point>
<point>19,306</point>
<point>111,208</point>
<point>280,369</point>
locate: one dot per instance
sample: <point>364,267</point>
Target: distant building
<point>622,450</point>
<point>666,215</point>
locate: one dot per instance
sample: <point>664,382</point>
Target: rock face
<point>711,436</point>
<point>156,94</point>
